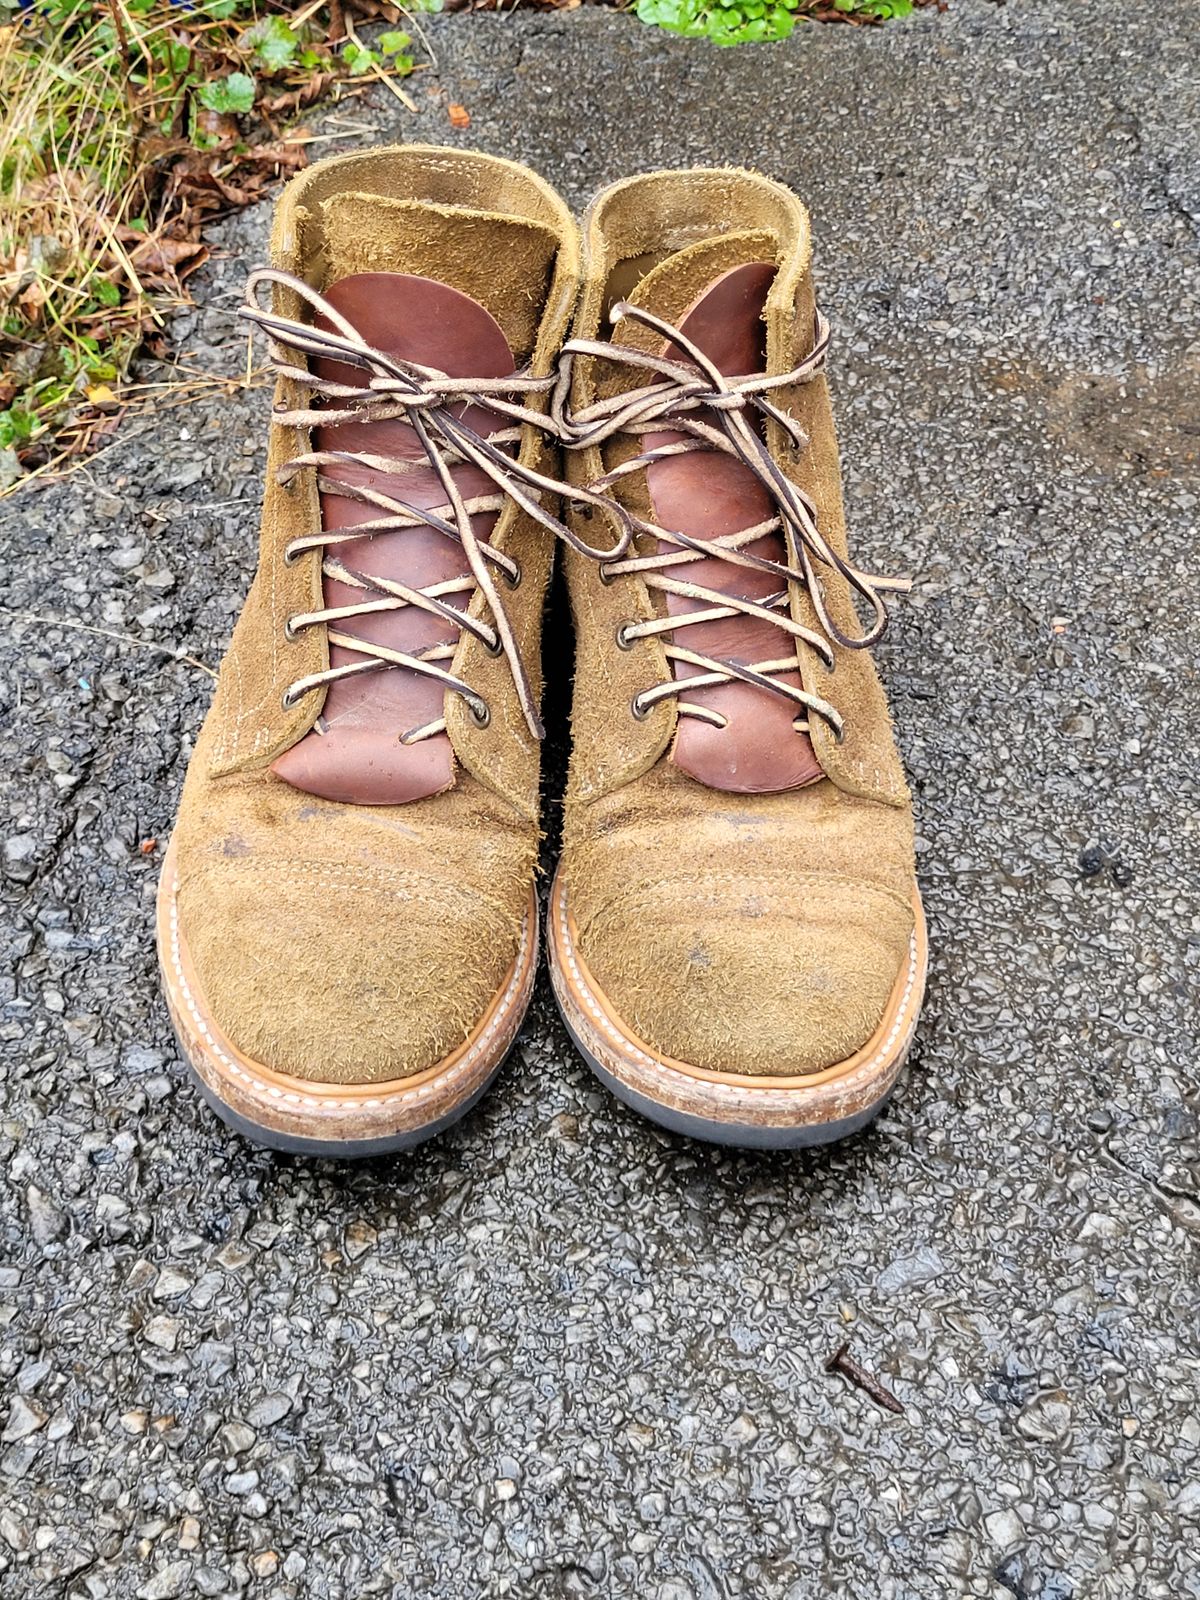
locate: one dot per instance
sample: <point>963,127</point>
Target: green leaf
<point>739,22</point>
<point>393,44</point>
<point>233,94</point>
<point>273,43</point>
<point>107,293</point>
<point>16,426</point>
<point>358,58</point>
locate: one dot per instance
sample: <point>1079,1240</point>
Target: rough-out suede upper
<point>357,944</point>
<point>763,933</point>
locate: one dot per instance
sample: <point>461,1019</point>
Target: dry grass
<point>66,132</point>
<point>125,125</point>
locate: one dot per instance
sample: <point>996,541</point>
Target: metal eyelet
<point>493,647</point>
<point>290,698</point>
<point>640,712</point>
<point>291,555</point>
<point>290,632</point>
<point>606,578</point>
<point>621,636</point>
<point>480,714</point>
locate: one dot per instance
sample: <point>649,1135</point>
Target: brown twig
<point>842,1361</point>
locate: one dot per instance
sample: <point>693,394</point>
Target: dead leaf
<point>374,10</point>
<point>293,100</point>
<point>287,156</point>
<point>194,183</point>
<point>218,125</point>
<point>178,257</point>
<point>155,147</point>
<point>32,300</point>
<point>460,117</point>
<point>99,394</point>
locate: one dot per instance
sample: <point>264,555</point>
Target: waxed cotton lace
<point>714,412</point>
<point>431,403</point>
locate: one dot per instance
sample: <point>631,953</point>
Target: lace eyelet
<point>290,632</point>
<point>513,579</point>
<point>480,714</point>
<point>493,648</point>
<point>291,555</point>
<point>606,578</point>
<point>621,637</point>
<point>289,699</point>
<point>640,712</point>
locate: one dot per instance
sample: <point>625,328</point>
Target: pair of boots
<point>347,917</point>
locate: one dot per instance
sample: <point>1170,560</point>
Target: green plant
<point>390,49</point>
<point>742,22</point>
<point>123,125</point>
<point>884,10</point>
<point>272,42</point>
<point>757,21</point>
<point>230,95</point>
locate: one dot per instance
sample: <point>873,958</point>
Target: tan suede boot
<point>736,942</point>
<point>347,925</point>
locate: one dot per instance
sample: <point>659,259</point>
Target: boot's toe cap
<point>735,975</point>
<point>336,974</point>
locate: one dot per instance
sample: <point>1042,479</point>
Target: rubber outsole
<point>336,1150</point>
<point>740,1136</point>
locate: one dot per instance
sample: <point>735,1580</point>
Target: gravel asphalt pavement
<point>558,1353</point>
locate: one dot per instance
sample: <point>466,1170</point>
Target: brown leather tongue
<point>354,754</point>
<point>705,493</point>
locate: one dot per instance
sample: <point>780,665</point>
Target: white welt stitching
<point>732,1090</point>
<point>319,1103</point>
